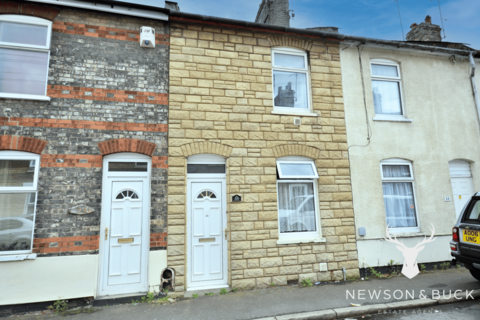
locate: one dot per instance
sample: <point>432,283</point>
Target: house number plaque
<point>236,198</point>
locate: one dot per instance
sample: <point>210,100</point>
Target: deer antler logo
<point>410,267</point>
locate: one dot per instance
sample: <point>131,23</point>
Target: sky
<point>366,18</point>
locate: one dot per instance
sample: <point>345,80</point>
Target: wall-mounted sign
<point>236,198</point>
<point>447,199</point>
<point>81,209</point>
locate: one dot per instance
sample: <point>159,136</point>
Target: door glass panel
<point>206,194</point>
<point>16,173</point>
<point>206,168</point>
<point>128,166</point>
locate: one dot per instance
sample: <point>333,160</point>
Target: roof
<point>439,47</point>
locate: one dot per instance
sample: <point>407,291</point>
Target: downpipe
<point>474,84</point>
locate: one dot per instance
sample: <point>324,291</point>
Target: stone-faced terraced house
<point>259,179</point>
<point>83,150</point>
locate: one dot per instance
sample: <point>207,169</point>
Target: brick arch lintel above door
<point>126,145</point>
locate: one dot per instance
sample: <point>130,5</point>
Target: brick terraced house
<point>259,179</point>
<point>83,149</point>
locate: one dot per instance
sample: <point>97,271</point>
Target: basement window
<point>18,194</point>
<point>24,57</point>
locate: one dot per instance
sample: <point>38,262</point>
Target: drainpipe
<point>474,85</point>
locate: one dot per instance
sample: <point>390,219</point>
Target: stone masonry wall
<point>103,86</point>
<point>221,102</point>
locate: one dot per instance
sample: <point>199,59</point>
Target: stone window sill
<point>391,119</point>
<point>23,96</point>
<point>294,113</point>
<point>18,257</point>
<point>307,240</point>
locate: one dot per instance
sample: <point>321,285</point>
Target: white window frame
<point>286,110</point>
<point>398,79</point>
<point>27,47</point>
<point>29,188</point>
<point>300,237</point>
<point>401,162</point>
<point>283,176</point>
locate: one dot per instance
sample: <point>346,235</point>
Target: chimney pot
<point>428,19</point>
<point>413,25</point>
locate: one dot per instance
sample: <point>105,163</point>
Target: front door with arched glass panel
<point>207,231</point>
<point>124,232</point>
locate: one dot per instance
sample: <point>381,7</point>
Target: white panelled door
<point>462,184</point>
<point>125,241</point>
<point>124,228</point>
<point>206,232</point>
<point>462,191</point>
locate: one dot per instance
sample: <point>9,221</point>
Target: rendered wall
<point>438,98</point>
<point>48,279</point>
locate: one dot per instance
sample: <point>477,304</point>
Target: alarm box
<point>147,37</point>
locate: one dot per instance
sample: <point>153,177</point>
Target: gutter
<point>474,84</point>
<point>129,9</point>
<point>178,16</point>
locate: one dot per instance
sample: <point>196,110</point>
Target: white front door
<point>462,191</point>
<point>124,234</point>
<point>125,240</point>
<point>207,234</point>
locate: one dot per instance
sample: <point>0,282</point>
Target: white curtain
<point>383,70</point>
<point>296,207</point>
<point>386,97</point>
<point>398,197</point>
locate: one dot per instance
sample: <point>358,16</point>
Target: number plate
<point>471,236</point>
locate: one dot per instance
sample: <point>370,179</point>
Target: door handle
<point>225,233</point>
<point>106,233</point>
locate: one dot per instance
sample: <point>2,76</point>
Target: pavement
<point>469,310</point>
<point>329,301</point>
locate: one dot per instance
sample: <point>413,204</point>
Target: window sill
<point>294,113</point>
<point>300,240</point>
<point>23,96</point>
<point>18,257</point>
<point>392,119</point>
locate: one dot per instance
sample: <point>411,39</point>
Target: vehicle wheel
<point>475,273</point>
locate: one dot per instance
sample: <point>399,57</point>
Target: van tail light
<point>453,246</point>
<point>455,235</point>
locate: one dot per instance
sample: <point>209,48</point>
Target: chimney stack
<point>274,12</point>
<point>425,31</point>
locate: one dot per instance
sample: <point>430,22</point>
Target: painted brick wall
<point>103,86</point>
